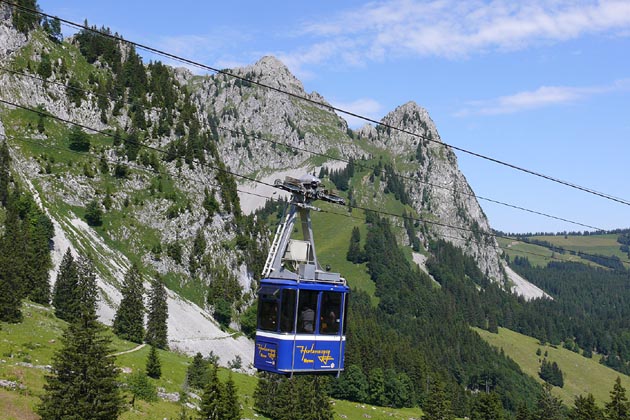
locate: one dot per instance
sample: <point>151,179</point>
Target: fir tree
<point>45,68</point>
<point>438,405</point>
<point>83,383</point>
<point>376,386</point>
<point>352,385</point>
<point>157,329</point>
<point>231,407</point>
<point>585,409</point>
<point>141,388</point>
<point>154,367</point>
<point>487,407</point>
<point>94,213</point>
<point>354,254</point>
<point>618,408</point>
<point>320,403</point>
<point>129,319</point>
<point>65,298</point>
<point>551,373</point>
<point>197,372</point>
<point>11,265</point>
<point>23,20</point>
<point>522,412</point>
<point>267,394</point>
<point>212,407</point>
<point>297,398</point>
<point>5,164</point>
<point>38,230</point>
<point>548,407</point>
<point>78,139</point>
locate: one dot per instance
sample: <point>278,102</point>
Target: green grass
<point>536,254</point>
<point>581,375</point>
<point>590,244</point>
<point>606,245</point>
<point>36,339</point>
<point>332,238</point>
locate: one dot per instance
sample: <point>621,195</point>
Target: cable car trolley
<point>301,308</point>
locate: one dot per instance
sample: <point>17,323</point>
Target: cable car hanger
<point>304,190</point>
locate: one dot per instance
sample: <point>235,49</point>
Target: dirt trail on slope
<point>130,351</point>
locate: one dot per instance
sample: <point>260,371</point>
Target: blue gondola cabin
<point>301,308</point>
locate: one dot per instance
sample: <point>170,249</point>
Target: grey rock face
<point>10,39</point>
<point>438,187</point>
<point>254,122</point>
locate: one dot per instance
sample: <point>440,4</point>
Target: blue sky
<point>544,85</point>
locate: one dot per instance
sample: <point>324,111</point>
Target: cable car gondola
<point>301,308</point>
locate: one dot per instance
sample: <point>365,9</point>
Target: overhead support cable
<point>366,209</point>
<point>206,67</point>
<point>347,161</point>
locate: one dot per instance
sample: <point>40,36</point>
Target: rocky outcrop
<point>10,39</point>
<point>254,123</point>
<point>438,189</point>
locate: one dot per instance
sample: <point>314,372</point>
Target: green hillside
<point>581,375</point>
<point>539,255</point>
<point>26,348</point>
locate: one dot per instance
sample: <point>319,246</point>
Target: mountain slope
<point>151,203</point>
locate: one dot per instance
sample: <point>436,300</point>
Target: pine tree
<point>65,299</point>
<point>618,408</point>
<point>5,163</point>
<point>141,388</point>
<point>94,213</point>
<point>157,329</point>
<point>154,367</point>
<point>211,401</point>
<point>376,387</point>
<point>354,253</point>
<point>487,407</point>
<point>83,383</point>
<point>438,405</point>
<point>230,403</point>
<point>197,372</point>
<point>267,393</point>
<point>585,409</point>
<point>77,138</point>
<point>12,267</point>
<point>548,407</point>
<point>129,319</point>
<point>38,230</point>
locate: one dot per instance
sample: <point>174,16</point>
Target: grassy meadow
<point>581,375</point>
<point>27,348</point>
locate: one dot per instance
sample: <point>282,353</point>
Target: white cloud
<point>541,97</point>
<point>365,106</point>
<point>455,29</point>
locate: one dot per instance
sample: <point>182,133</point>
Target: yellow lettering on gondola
<point>266,352</point>
<point>322,355</point>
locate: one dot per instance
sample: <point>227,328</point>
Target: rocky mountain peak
<point>273,72</point>
<point>411,117</point>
